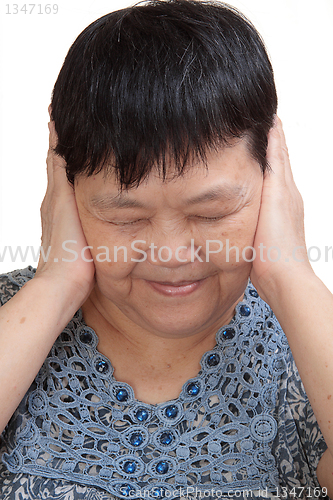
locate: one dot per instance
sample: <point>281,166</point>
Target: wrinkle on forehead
<point>224,192</point>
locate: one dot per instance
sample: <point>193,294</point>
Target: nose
<point>174,250</point>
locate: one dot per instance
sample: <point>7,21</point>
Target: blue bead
<point>162,467</point>
<point>193,389</point>
<point>122,395</point>
<point>171,411</point>
<point>129,467</point>
<point>86,337</point>
<point>213,359</point>
<point>142,414</point>
<point>136,439</point>
<point>166,438</point>
<point>158,492</point>
<point>245,310</point>
<point>253,292</point>
<point>125,489</point>
<point>228,333</point>
<point>102,366</point>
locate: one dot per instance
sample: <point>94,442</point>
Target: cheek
<point>110,251</point>
<point>230,244</point>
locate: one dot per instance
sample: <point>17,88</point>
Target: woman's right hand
<point>34,317</point>
<point>61,227</point>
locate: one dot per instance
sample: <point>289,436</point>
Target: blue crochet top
<point>243,423</point>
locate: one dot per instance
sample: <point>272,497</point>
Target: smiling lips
<point>178,288</point>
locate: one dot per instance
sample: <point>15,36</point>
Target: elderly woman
<point>143,357</point>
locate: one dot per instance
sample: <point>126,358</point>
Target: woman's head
<point>174,100</point>
<point>162,82</point>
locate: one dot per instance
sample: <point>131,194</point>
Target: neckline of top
<point>210,362</point>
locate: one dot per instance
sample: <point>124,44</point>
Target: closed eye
<point>209,219</point>
<point>126,223</point>
<point>201,218</point>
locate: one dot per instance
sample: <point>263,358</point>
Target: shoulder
<point>11,282</point>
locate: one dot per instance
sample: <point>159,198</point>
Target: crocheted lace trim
<point>80,424</point>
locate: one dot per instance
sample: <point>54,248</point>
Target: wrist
<point>67,295</point>
<point>281,281</point>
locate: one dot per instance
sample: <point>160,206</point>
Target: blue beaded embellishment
<point>245,310</point>
<point>158,492</point>
<point>136,439</point>
<point>126,489</point>
<point>86,337</point>
<point>166,438</point>
<point>102,366</point>
<point>228,333</point>
<point>213,360</point>
<point>193,389</point>
<point>162,467</point>
<point>142,414</point>
<point>122,395</point>
<point>129,467</point>
<point>171,411</point>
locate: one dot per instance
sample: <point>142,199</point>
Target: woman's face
<point>174,233</point>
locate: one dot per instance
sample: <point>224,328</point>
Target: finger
<point>53,137</point>
<point>277,153</point>
<point>58,161</point>
<point>288,172</point>
<point>274,154</point>
<point>56,165</point>
<point>49,161</point>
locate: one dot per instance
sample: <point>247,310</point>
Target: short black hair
<point>162,82</point>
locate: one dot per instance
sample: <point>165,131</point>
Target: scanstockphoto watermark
<point>195,493</point>
<point>192,492</point>
<point>164,254</point>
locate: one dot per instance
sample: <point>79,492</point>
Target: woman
<point>139,360</point>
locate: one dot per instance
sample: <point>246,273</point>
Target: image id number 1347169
<point>301,492</point>
<point>31,8</point>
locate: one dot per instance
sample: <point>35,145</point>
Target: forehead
<point>224,174</point>
<point>123,200</point>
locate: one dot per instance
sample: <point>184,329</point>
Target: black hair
<point>159,84</point>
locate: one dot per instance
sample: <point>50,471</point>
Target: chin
<point>179,322</point>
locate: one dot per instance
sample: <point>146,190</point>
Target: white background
<point>299,38</point>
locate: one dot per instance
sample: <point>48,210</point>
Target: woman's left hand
<point>279,240</point>
<point>284,278</point>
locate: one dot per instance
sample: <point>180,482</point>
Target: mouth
<point>175,283</point>
<point>176,288</point>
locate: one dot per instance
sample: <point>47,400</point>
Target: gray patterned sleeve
<point>308,442</point>
<point>10,283</point>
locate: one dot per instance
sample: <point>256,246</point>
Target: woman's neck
<point>156,367</point>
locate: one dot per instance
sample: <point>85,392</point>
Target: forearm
<point>304,308</point>
<point>30,322</point>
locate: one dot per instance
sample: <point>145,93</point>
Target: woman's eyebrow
<point>104,202</point>
<point>223,191</point>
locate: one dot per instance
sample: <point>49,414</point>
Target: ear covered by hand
<point>60,224</point>
<point>279,240</point>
